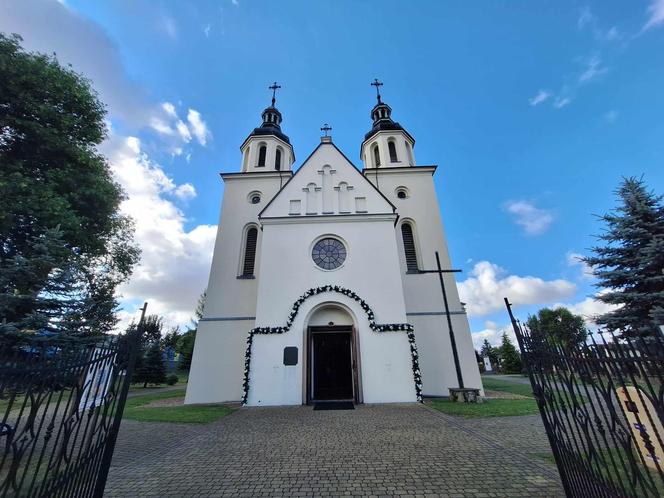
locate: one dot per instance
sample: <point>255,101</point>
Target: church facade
<point>317,289</point>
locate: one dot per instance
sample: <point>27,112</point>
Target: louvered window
<point>277,160</point>
<point>393,152</point>
<point>261,155</point>
<point>409,247</point>
<point>376,155</point>
<point>249,252</point>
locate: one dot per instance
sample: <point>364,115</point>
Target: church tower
<point>389,163</point>
<point>230,309</point>
<point>387,144</point>
<point>267,148</point>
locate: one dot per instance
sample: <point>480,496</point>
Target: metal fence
<point>602,407</point>
<point>61,404</point>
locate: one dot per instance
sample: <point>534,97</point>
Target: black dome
<point>271,125</point>
<point>382,121</point>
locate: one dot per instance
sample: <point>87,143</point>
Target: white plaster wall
<point>250,150</point>
<point>218,360</point>
<point>217,369</point>
<point>422,291</point>
<point>370,270</point>
<point>327,154</point>
<point>381,138</point>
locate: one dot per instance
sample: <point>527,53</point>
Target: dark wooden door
<point>333,373</point>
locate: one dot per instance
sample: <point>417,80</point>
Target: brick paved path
<point>375,450</point>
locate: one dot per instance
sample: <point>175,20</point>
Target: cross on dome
<point>274,87</point>
<point>377,84</point>
<point>326,127</point>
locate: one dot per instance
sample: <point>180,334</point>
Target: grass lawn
<point>183,378</point>
<point>135,409</point>
<point>489,408</point>
<point>506,386</point>
<point>614,472</point>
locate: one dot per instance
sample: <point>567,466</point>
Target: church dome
<point>271,125</point>
<point>382,120</point>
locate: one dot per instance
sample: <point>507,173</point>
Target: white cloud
<point>175,261</point>
<point>589,308</point>
<point>586,17</point>
<point>494,334</point>
<point>206,30</point>
<point>576,259</point>
<point>484,290</point>
<point>541,96</point>
<point>169,109</point>
<point>185,191</point>
<point>161,127</point>
<point>48,27</point>
<point>655,14</point>
<point>611,116</point>
<point>235,2</point>
<point>183,131</point>
<point>198,127</point>
<point>533,220</point>
<point>167,25</point>
<point>561,102</point>
<point>592,70</point>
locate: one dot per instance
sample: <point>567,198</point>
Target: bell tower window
<point>277,159</point>
<point>262,152</point>
<point>393,151</point>
<point>376,155</point>
<point>249,252</point>
<point>409,247</point>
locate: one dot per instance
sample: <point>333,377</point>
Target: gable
<point>327,184</point>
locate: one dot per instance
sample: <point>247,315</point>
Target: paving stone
<point>377,450</point>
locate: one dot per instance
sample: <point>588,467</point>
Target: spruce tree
<point>490,352</point>
<point>510,361</point>
<point>630,264</point>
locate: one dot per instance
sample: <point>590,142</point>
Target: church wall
<point>218,367</point>
<point>218,361</point>
<point>422,291</point>
<point>288,271</point>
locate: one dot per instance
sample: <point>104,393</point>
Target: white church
<point>320,287</point>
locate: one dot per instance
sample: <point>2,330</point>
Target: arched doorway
<point>332,372</point>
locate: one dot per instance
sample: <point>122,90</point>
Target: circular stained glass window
<point>329,253</point>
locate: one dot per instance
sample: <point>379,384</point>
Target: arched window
<point>245,161</point>
<point>411,161</point>
<point>393,151</point>
<point>409,247</point>
<point>277,159</point>
<point>249,252</point>
<point>262,151</point>
<point>376,155</point>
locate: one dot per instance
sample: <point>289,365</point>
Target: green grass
<point>506,386</point>
<point>615,473</point>
<point>135,409</point>
<point>489,408</point>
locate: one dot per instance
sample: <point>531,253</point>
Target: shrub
<point>172,379</point>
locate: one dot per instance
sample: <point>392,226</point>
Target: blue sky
<point>532,110</point>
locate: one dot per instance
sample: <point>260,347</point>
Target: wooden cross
<point>274,87</point>
<point>326,127</point>
<point>377,84</point>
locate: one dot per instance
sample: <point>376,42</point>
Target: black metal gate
<point>61,404</point>
<point>602,407</point>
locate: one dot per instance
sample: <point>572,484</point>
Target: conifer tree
<point>510,361</point>
<point>630,264</point>
<point>490,352</point>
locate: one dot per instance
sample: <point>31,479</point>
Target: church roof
<point>382,121</point>
<point>271,125</point>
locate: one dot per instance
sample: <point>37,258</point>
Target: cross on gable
<point>326,127</point>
